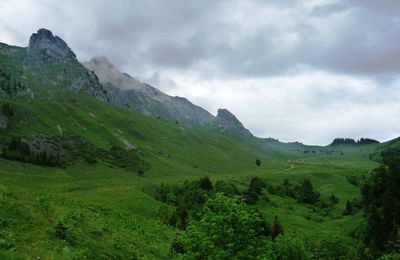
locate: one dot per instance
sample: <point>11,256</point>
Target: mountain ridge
<point>49,67</point>
<point>151,101</point>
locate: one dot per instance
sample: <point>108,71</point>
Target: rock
<point>46,50</point>
<point>44,47</point>
<point>3,122</point>
<point>227,122</point>
<point>126,91</point>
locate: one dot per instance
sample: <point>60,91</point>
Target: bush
<point>224,228</point>
<point>7,110</point>
<point>277,228</point>
<point>258,162</point>
<point>226,188</point>
<point>307,194</point>
<point>336,248</point>
<point>289,247</point>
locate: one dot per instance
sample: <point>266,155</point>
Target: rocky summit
<point>52,68</point>
<point>144,97</point>
<point>44,47</point>
<point>227,122</point>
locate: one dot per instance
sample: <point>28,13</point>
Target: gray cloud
<point>209,50</point>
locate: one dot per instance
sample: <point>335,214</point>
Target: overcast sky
<point>304,71</point>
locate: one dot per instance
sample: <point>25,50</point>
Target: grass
<point>116,201</point>
<point>100,211</point>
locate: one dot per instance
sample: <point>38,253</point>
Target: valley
<point>79,167</point>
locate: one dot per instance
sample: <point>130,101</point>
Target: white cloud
<point>310,106</point>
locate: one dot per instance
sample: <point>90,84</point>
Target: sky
<point>305,71</point>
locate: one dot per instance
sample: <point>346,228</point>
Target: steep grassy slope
<point>110,211</point>
<point>92,207</point>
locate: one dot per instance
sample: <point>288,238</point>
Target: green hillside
<point>98,200</point>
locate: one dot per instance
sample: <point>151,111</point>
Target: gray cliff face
<point>145,98</point>
<point>227,122</point>
<point>53,64</point>
<point>44,47</point>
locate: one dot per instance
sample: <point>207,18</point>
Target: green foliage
<point>277,228</point>
<point>226,188</point>
<point>390,154</point>
<point>349,210</point>
<point>206,184</point>
<point>289,247</point>
<point>336,248</point>
<point>255,190</point>
<point>333,199</point>
<point>258,162</point>
<point>128,160</point>
<point>224,228</point>
<point>307,194</point>
<point>381,196</point>
<point>7,240</point>
<point>19,150</point>
<point>182,199</point>
<point>7,110</point>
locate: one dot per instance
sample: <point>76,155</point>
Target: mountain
<point>45,49</point>
<point>48,67</point>
<point>85,175</point>
<point>145,98</point>
<point>227,122</point>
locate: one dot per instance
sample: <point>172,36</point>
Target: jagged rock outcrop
<point>145,98</point>
<point>227,122</point>
<point>52,63</point>
<point>44,47</point>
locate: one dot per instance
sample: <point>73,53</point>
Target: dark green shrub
<point>258,162</point>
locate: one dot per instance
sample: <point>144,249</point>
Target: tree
<point>334,200</point>
<point>256,185</point>
<point>277,228</point>
<point>289,247</point>
<point>349,208</point>
<point>258,162</point>
<point>381,196</point>
<point>206,184</point>
<point>227,188</point>
<point>255,190</point>
<point>307,194</point>
<point>7,110</point>
<point>224,228</point>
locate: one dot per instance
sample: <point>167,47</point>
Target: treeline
<point>66,150</point>
<point>220,221</point>
<point>10,85</point>
<point>20,150</point>
<point>180,200</point>
<point>381,197</point>
<point>183,199</point>
<point>351,141</point>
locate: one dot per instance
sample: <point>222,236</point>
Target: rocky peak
<point>227,122</point>
<point>108,72</point>
<point>44,47</point>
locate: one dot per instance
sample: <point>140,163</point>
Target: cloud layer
<point>295,70</point>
